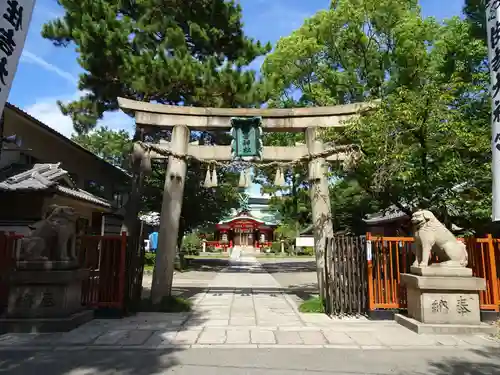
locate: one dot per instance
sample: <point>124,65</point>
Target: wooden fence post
<point>371,302</point>
<point>326,274</point>
<point>121,277</point>
<point>493,272</point>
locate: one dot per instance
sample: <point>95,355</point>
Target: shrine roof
<point>246,216</point>
<point>388,215</point>
<point>43,177</point>
<point>392,214</point>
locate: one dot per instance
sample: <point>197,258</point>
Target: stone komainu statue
<point>432,236</point>
<point>52,238</point>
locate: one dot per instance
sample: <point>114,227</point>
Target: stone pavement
<point>290,361</point>
<point>243,307</point>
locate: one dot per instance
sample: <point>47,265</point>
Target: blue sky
<point>46,73</point>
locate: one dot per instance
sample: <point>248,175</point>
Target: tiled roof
<point>240,216</point>
<point>390,214</point>
<point>38,177</point>
<point>83,195</point>
<point>48,176</point>
<point>266,219</point>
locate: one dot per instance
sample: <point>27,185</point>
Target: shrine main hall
<point>251,226</point>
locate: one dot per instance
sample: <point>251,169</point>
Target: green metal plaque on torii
<point>247,138</point>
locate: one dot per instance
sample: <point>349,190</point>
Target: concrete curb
<point>238,346</point>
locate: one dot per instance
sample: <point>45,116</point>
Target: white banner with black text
<point>15,17</point>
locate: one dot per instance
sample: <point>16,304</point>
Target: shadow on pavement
<point>254,361</point>
<point>83,362</point>
<point>289,267</point>
<point>206,265</point>
<point>113,346</point>
<point>267,266</point>
<point>458,366</point>
<point>303,292</point>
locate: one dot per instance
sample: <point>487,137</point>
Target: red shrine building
<point>252,226</point>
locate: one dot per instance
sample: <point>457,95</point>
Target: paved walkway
<point>290,361</point>
<point>243,307</point>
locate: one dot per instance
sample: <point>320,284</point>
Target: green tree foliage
<point>191,243</point>
<point>201,206</point>
<point>167,51</point>
<point>427,144</point>
<point>112,146</point>
<point>356,50</point>
<point>474,11</point>
<point>350,204</point>
<point>293,203</point>
<point>286,232</point>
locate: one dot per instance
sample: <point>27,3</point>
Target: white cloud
<point>118,121</point>
<point>29,57</point>
<point>47,111</point>
<point>48,12</point>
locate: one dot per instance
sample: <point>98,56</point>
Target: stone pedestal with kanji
<point>443,300</point>
<point>45,296</point>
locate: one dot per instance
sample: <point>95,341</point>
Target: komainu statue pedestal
<point>45,288</point>
<point>442,297</point>
<point>443,300</point>
<point>45,296</point>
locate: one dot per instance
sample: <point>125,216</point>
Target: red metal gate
<point>104,256</point>
<point>9,243</point>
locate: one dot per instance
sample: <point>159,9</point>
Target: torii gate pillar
<point>175,179</point>
<point>320,202</point>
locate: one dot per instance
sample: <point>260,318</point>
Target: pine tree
<point>475,14</point>
<point>167,51</point>
<point>175,52</point>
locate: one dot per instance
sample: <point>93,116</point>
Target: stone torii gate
<point>181,120</point>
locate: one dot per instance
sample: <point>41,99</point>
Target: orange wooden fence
<point>388,257</point>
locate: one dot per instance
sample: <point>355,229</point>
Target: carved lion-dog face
<point>421,217</point>
<point>62,212</point>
